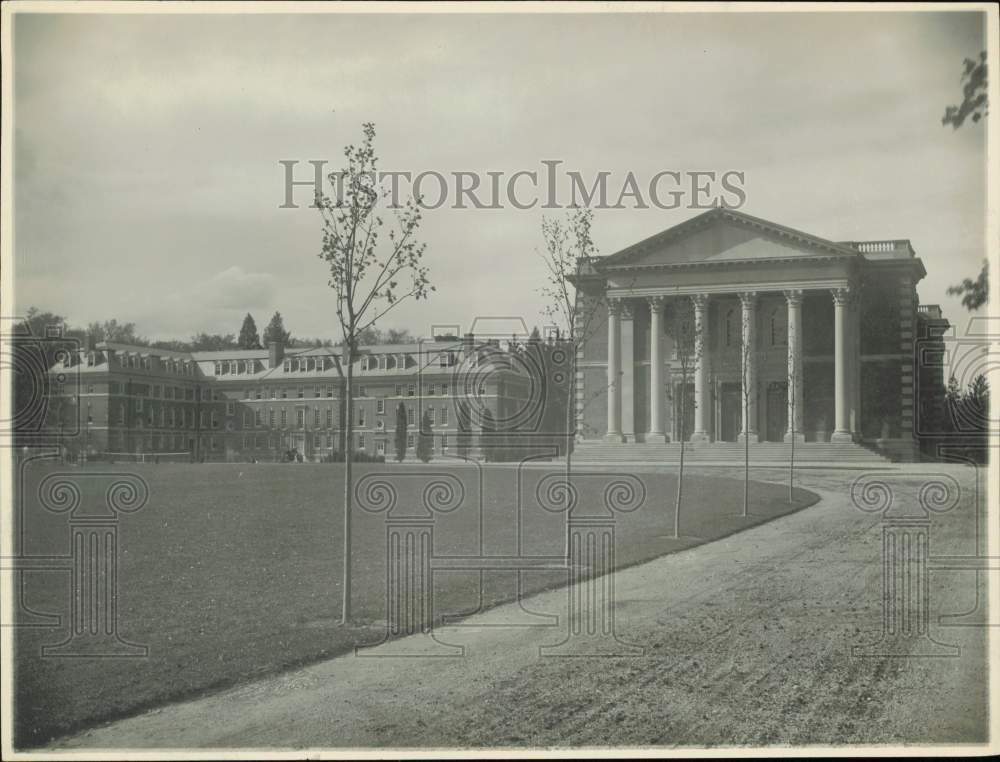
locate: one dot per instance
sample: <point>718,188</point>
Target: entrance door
<point>777,411</point>
<point>730,412</point>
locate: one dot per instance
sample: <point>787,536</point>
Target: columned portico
<point>701,327</point>
<point>754,334</point>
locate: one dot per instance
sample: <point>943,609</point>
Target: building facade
<point>728,326</point>
<point>269,404</point>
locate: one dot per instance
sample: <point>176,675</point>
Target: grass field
<point>231,572</point>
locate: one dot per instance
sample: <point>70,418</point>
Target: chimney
<point>276,353</point>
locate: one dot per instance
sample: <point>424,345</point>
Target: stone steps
<point>833,454</point>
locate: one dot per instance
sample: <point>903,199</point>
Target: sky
<point>147,182</point>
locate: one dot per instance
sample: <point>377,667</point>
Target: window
<point>246,419</point>
<point>361,392</point>
<point>444,442</point>
<point>361,441</point>
<point>273,392</point>
<point>259,394</point>
<point>300,418</point>
<point>409,416</point>
<point>270,418</point>
<point>329,417</point>
<point>409,440</point>
<point>380,447</point>
<point>230,408</point>
<point>316,417</point>
<point>380,406</point>
<point>430,390</point>
<point>302,392</point>
<point>286,366</point>
<point>399,390</point>
<point>121,414</point>
<point>258,418</point>
<point>215,421</point>
<point>284,418</point>
<point>410,390</point>
<point>444,416</point>
<point>329,391</point>
<point>361,416</point>
<point>430,415</point>
<point>482,389</point>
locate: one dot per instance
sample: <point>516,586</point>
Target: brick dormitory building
<point>268,404</point>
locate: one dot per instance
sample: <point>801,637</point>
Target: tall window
<point>730,328</point>
<point>409,416</point>
<point>316,417</point>
<point>329,417</point>
<point>300,418</point>
<point>380,406</point>
<point>444,416</point>
<point>284,417</point>
<point>361,416</point>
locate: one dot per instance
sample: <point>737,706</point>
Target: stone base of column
<point>615,438</point>
<point>700,437</point>
<point>842,436</point>
<point>657,438</point>
<point>799,437</point>
<point>754,437</point>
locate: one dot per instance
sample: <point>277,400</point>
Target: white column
<point>748,358</point>
<point>655,370</point>
<point>794,299</point>
<point>700,433</point>
<point>614,373</point>
<point>842,429</point>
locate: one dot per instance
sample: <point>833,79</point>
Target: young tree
<point>748,386</point>
<point>369,275</point>
<point>275,331</point>
<point>249,337</point>
<point>574,309</point>
<point>793,416</point>
<point>680,326</point>
<point>425,438</point>
<point>400,432</point>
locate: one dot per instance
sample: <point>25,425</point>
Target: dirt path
<point>746,640</point>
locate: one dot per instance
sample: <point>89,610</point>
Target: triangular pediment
<point>724,235</point>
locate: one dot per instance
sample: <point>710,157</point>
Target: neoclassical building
<point>729,326</point>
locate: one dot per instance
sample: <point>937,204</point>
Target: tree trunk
<point>345,614</point>
<point>680,470</point>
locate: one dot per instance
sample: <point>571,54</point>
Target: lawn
<point>231,572</point>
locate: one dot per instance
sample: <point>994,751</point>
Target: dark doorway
<point>686,421</point>
<point>777,411</point>
<point>730,412</point>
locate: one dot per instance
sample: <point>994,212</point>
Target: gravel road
<point>746,641</point>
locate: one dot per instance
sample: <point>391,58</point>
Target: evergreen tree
<point>400,432</point>
<point>249,337</point>
<point>425,439</point>
<point>275,331</point>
